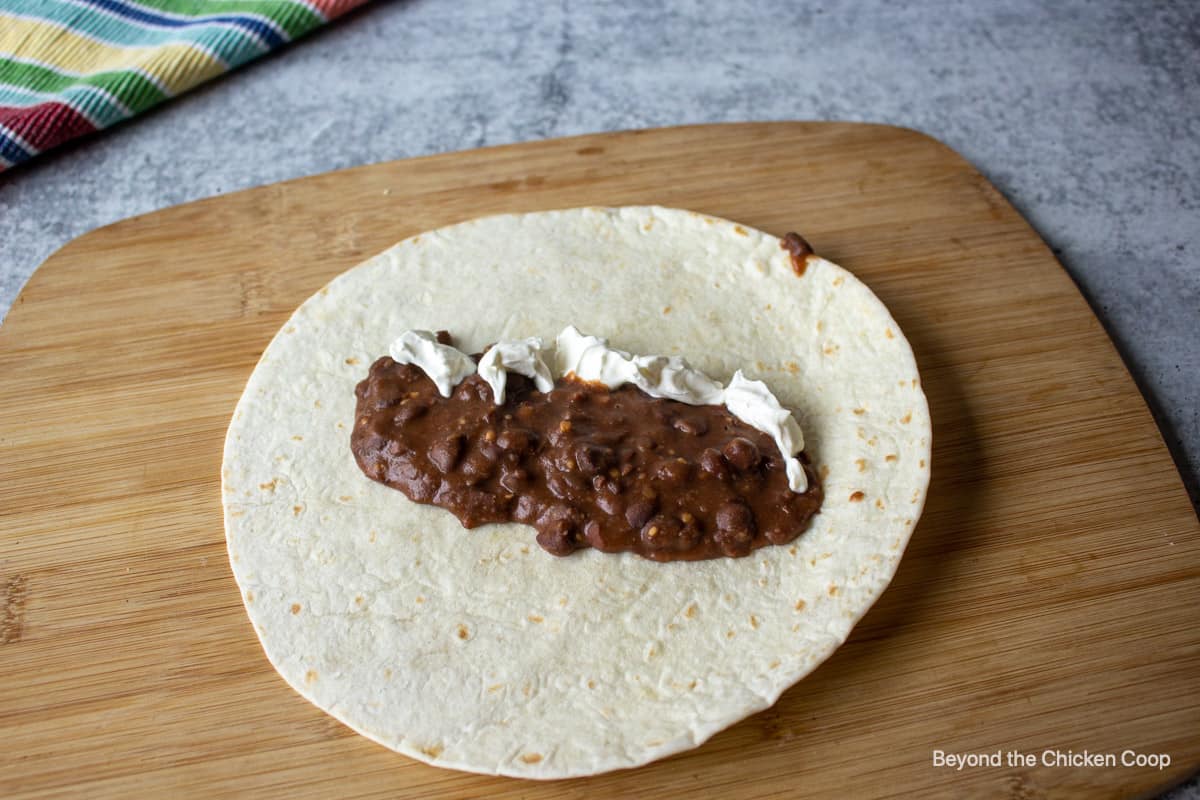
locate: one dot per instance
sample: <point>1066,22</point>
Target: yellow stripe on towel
<point>176,67</point>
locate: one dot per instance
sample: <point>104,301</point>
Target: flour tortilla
<point>475,649</point>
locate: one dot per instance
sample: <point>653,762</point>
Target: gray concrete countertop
<point>1085,114</point>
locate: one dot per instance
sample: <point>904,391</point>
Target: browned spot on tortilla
<point>249,596</point>
<point>536,619</point>
<point>823,472</point>
<point>820,325</point>
<point>290,329</point>
<point>591,684</point>
<point>310,676</point>
<point>792,550</point>
<point>296,510</point>
<point>888,333</point>
<point>800,605</point>
<point>914,383</point>
<point>856,497</point>
<point>238,513</point>
<point>345,498</point>
<point>666,309</point>
<point>861,463</point>
<point>879,504</point>
<point>495,687</point>
<point>838,281</point>
<point>463,633</point>
<point>798,251</point>
<point>297,438</point>
<point>729,634</point>
<point>371,537</point>
<point>352,361</point>
<point>692,684</point>
<point>907,418</point>
<point>433,751</point>
<point>753,621</point>
<point>922,462</point>
<point>773,664</point>
<point>269,486</point>
<point>830,349</point>
<point>415,239</point>
<point>792,367</point>
<point>891,457</point>
<point>832,590</point>
<point>691,611</point>
<point>324,291</point>
<point>739,230</point>
<point>316,403</point>
<point>387,673</point>
<point>531,758</point>
<point>527,690</point>
<point>12,621</point>
<point>420,598</point>
<point>358,600</point>
<point>295,608</point>
<point>858,412</point>
<point>592,150</point>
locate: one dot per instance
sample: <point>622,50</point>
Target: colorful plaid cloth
<point>70,67</point>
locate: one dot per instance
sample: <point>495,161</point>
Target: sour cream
<point>522,356</point>
<point>446,366</point>
<point>590,358</point>
<point>752,403</point>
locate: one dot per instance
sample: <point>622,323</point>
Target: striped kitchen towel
<point>70,67</point>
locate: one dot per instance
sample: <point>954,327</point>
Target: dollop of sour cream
<point>589,358</point>
<point>446,366</point>
<point>522,356</point>
<point>752,403</point>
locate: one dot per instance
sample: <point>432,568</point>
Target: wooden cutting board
<point>1048,600</point>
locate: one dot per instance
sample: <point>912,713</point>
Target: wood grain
<point>1048,599</point>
